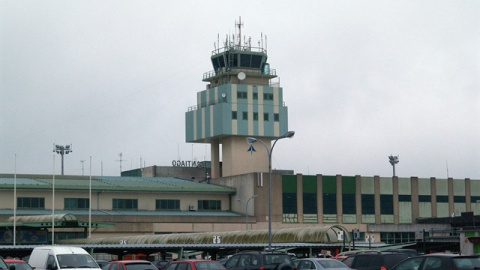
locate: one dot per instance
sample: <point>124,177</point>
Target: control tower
<point>240,100</point>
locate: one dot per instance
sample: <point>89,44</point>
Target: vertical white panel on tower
<point>234,109</point>
<point>195,124</point>
<point>261,129</point>
<point>276,109</point>
<point>203,122</point>
<point>250,109</point>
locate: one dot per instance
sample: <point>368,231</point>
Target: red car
<point>195,265</point>
<point>129,265</point>
<point>19,264</point>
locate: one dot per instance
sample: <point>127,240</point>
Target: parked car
<point>61,257</point>
<point>258,260</point>
<point>320,264</point>
<point>129,265</point>
<point>377,261</point>
<point>19,264</point>
<point>440,261</point>
<point>194,264</point>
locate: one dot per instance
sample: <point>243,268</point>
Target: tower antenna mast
<point>239,25</point>
<point>120,160</point>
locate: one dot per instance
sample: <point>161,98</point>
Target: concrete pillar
<point>396,212</point>
<point>215,162</point>
<point>433,189</point>
<point>320,198</point>
<point>300,197</point>
<point>376,184</point>
<point>338,179</point>
<point>415,201</point>
<point>468,195</point>
<point>358,198</point>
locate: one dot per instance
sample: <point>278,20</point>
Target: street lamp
<point>246,210</point>
<point>60,149</point>
<point>252,140</point>
<point>393,160</point>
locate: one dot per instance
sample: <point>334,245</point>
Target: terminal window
<point>31,203</point>
<point>125,204</point>
<point>167,205</point>
<point>76,203</point>
<point>209,205</point>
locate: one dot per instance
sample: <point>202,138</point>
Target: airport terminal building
<point>230,193</point>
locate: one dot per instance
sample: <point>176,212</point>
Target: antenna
<point>446,161</point>
<point>120,160</point>
<point>265,42</point>
<point>239,24</point>
<point>82,161</point>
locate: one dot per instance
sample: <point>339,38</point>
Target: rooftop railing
<point>223,70</point>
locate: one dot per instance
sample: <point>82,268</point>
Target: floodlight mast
<point>251,140</point>
<point>393,160</point>
<point>60,149</point>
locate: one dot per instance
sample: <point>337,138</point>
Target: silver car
<point>320,264</point>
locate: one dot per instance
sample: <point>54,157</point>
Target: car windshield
<point>3,265</point>
<point>209,265</point>
<point>140,266</point>
<point>20,265</point>
<point>467,263</point>
<point>76,261</point>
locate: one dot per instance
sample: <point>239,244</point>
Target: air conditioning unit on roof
<point>192,208</point>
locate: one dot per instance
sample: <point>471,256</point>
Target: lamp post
<point>60,149</point>
<point>252,140</point>
<point>246,210</point>
<point>393,160</point>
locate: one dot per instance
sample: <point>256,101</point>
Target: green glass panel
<point>310,184</point>
<point>329,184</point>
<point>348,185</point>
<point>289,183</point>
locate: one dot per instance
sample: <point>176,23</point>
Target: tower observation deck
<point>240,100</point>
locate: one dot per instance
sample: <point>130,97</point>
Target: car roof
<point>15,260</point>
<point>193,260</point>
<point>130,261</point>
<point>317,259</point>
<point>448,255</point>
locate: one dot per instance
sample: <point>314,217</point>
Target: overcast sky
<point>362,80</point>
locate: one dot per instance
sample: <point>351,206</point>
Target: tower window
<point>255,96</point>
<point>234,115</point>
<point>245,115</point>
<point>267,96</point>
<point>242,95</point>
<point>255,116</point>
<point>265,117</point>
<point>276,117</point>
